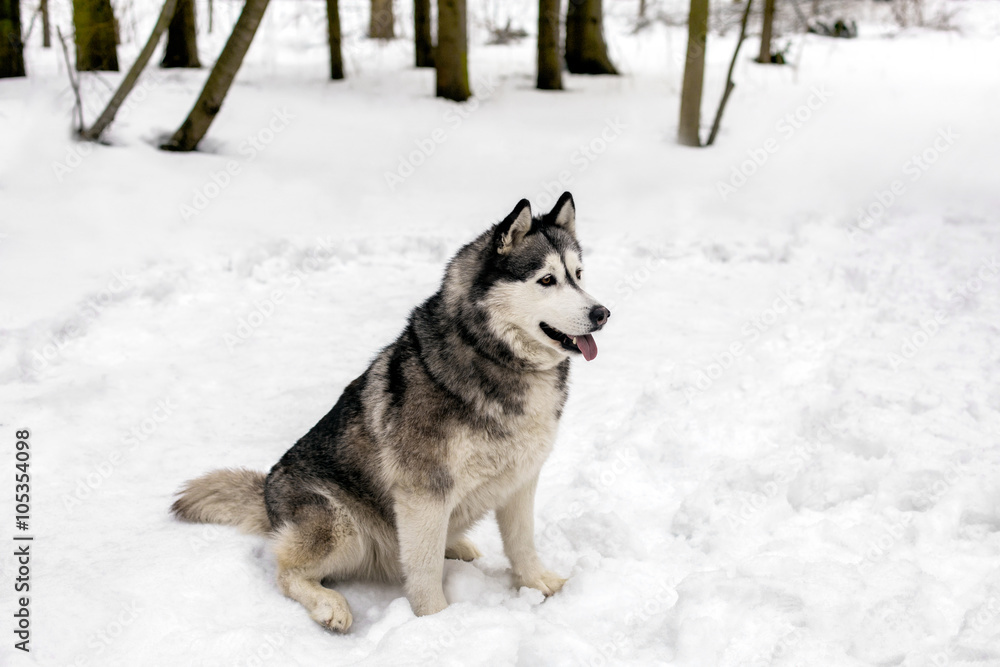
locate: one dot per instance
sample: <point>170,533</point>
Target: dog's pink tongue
<point>587,346</point>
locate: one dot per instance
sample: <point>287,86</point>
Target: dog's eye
<point>579,273</point>
<point>547,280</point>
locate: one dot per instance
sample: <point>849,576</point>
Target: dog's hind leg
<point>322,541</point>
<point>462,549</point>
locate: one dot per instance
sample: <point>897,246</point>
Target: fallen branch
<point>729,78</point>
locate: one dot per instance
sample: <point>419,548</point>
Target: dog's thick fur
<point>452,420</point>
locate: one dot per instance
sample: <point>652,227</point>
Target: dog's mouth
<point>583,344</point>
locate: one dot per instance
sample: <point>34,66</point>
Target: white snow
<point>786,452</point>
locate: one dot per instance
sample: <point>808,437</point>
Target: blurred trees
<point>451,58</point>
<point>423,43</point>
<point>549,62</point>
<point>381,21</point>
<point>586,52</point>
<point>11,47</point>
<point>182,38</point>
<point>694,75</point>
<point>333,39</point>
<point>95,35</point>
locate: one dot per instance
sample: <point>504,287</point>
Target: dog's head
<point>530,286</point>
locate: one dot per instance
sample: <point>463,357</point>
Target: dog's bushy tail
<point>232,496</point>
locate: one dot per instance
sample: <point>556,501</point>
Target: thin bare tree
<point>765,33</point>
<point>451,59</point>
<point>11,46</point>
<point>422,40</point>
<point>96,36</point>
<point>549,62</point>
<point>586,50</point>
<point>694,75</point>
<point>333,39</point>
<point>182,38</point>
<point>193,129</point>
<point>381,20</point>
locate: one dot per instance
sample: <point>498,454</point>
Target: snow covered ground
<point>785,454</point>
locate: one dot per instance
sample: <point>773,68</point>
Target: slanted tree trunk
<point>11,47</point>
<point>96,36</point>
<point>586,52</point>
<point>43,9</point>
<point>451,59</point>
<point>380,24</point>
<point>765,33</point>
<point>333,39</point>
<point>170,7</point>
<point>549,62</point>
<point>422,39</point>
<point>193,129</point>
<point>182,38</point>
<point>694,74</point>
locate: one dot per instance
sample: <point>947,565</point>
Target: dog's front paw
<point>547,582</point>
<point>333,613</point>
<point>462,549</point>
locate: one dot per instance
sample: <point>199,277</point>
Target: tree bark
<point>423,41</point>
<point>694,74</point>
<point>380,24</point>
<point>170,8</point>
<point>191,132</point>
<point>43,8</point>
<point>765,33</point>
<point>333,39</point>
<point>182,38</point>
<point>549,62</point>
<point>586,51</point>
<point>451,59</point>
<point>96,36</point>
<point>11,46</point>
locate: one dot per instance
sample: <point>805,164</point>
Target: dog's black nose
<point>599,315</point>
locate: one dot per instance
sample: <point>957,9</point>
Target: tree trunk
<point>586,52</point>
<point>422,33</point>
<point>193,129</point>
<point>694,74</point>
<point>451,59</point>
<point>380,25</point>
<point>549,62</point>
<point>170,8</point>
<point>333,39</point>
<point>182,38</point>
<point>43,8</point>
<point>765,32</point>
<point>96,36</point>
<point>11,46</point>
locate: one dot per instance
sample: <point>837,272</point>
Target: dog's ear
<point>563,214</point>
<point>513,228</point>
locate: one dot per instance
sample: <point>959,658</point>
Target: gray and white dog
<point>452,420</point>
